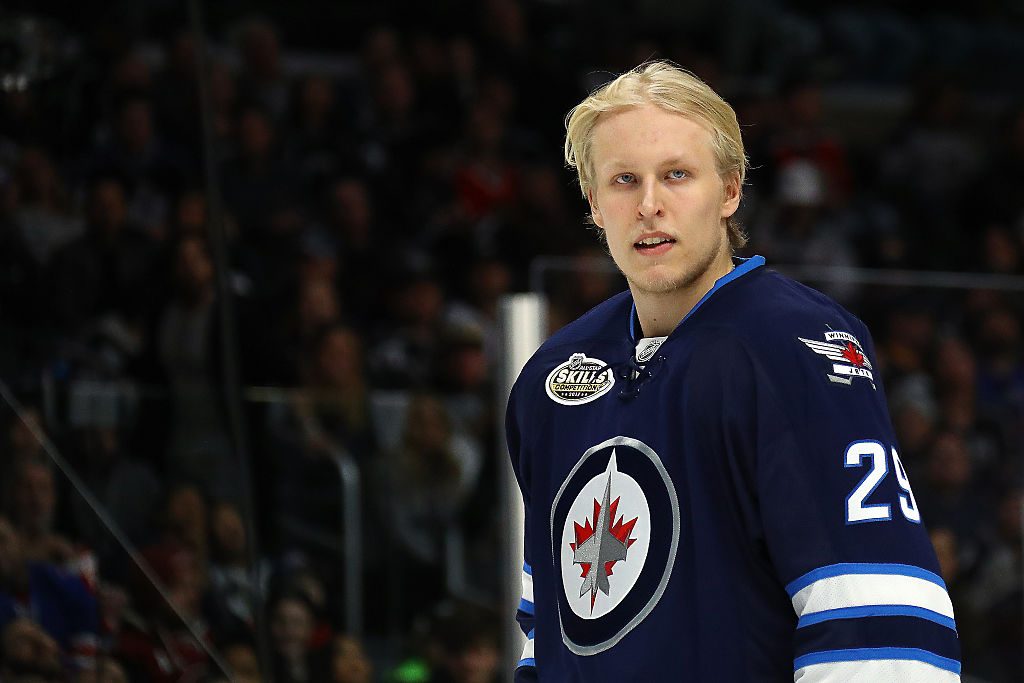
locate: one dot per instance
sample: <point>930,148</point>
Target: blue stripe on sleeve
<point>530,634</point>
<point>530,661</point>
<point>862,568</point>
<point>876,653</point>
<point>526,606</point>
<point>876,611</point>
<point>528,569</point>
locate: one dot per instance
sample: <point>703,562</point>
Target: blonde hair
<point>674,89</point>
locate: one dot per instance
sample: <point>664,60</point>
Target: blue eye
<point>677,174</point>
<point>625,178</point>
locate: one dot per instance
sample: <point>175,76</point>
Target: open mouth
<point>653,243</point>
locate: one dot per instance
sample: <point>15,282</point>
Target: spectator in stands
<point>186,521</point>
<point>350,226</point>
<point>158,641</point>
<point>422,488</point>
<point>485,282</point>
<point>33,495</point>
<point>956,375</point>
<point>43,218</point>
<point>391,128</point>
<point>803,227</point>
<point>803,135</point>
<point>402,359</point>
<point>235,585</point>
<point>291,629</point>
<point>333,413</point>
<point>257,185</point>
<point>107,271</point>
<point>464,379</point>
<point>317,145</point>
<point>485,180</point>
<point>188,356</point>
<point>915,418</point>
<point>1001,371</point>
<point>60,603</point>
<point>28,654</point>
<point>263,79</point>
<point>151,172</point>
<point>907,344</point>
<point>317,306</point>
<point>946,493</point>
<point>298,575</point>
<point>931,166</point>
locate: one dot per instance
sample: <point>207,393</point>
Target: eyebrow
<point>672,161</point>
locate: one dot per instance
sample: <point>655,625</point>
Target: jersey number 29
<point>857,510</point>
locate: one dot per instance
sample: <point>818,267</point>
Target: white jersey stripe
<point>527,587</point>
<point>527,658</point>
<point>874,671</point>
<point>859,590</point>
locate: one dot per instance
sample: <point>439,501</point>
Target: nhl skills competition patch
<point>847,355</point>
<point>579,380</point>
<point>614,535</point>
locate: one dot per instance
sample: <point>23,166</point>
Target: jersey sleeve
<point>526,669</point>
<point>839,519</point>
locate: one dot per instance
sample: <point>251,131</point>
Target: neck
<point>660,312</point>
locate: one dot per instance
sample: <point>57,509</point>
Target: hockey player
<point>712,485</point>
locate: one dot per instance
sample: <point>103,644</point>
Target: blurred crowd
<point>379,195</point>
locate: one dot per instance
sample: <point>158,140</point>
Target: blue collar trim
<point>743,266</point>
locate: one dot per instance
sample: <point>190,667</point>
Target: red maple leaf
<point>620,529</point>
<point>851,354</point>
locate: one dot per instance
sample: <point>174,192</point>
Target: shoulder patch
<point>847,356</point>
<point>579,380</point>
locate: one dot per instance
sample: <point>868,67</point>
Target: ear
<point>595,210</point>
<point>731,194</point>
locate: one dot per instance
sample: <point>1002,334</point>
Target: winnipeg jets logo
<point>847,354</point>
<point>599,546</point>
<point>615,529</point>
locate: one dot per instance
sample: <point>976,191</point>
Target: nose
<point>649,204</point>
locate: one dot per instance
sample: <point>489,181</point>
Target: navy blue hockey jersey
<point>724,504</point>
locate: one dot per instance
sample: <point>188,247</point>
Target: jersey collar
<point>743,266</point>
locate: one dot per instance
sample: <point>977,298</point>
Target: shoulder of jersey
<point>775,308</point>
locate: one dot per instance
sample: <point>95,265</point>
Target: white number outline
<point>856,511</point>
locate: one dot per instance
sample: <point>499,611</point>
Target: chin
<point>657,281</point>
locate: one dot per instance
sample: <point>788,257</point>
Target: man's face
<point>655,179</point>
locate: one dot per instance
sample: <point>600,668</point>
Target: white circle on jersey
<point>605,540</point>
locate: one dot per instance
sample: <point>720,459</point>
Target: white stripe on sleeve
<point>874,671</point>
<point>857,590</point>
